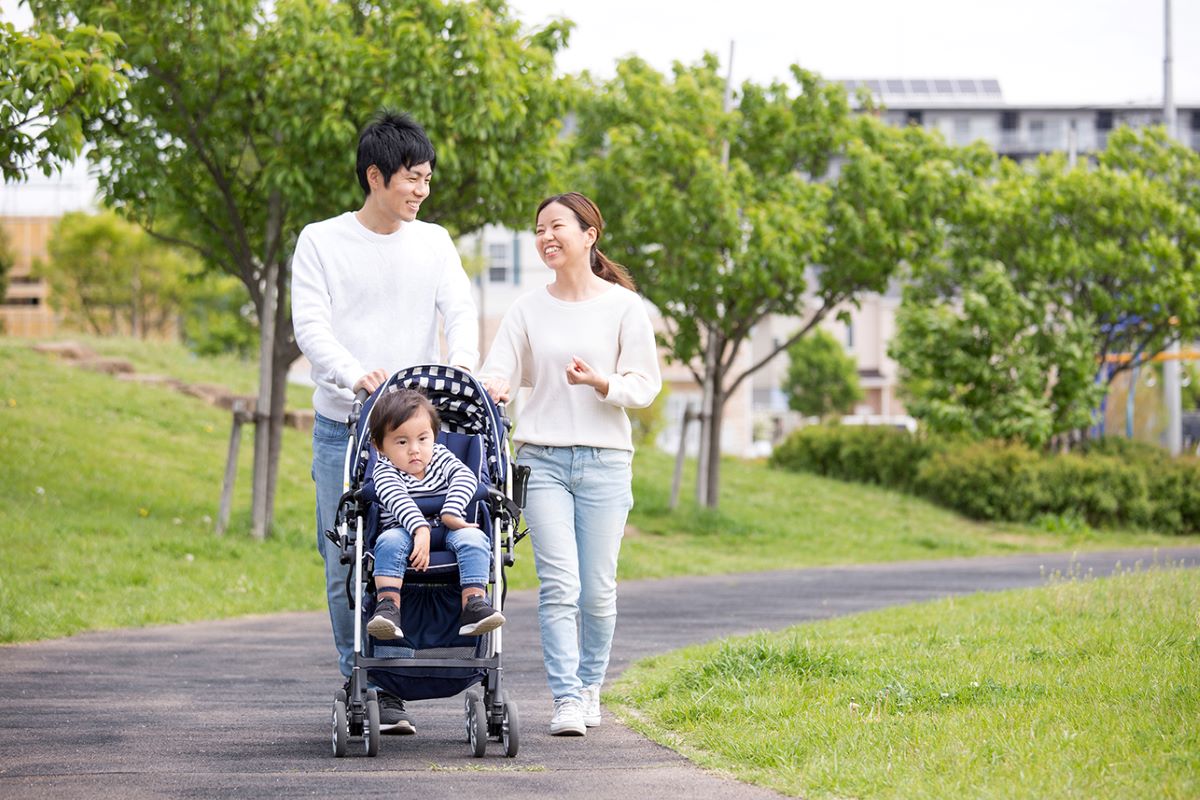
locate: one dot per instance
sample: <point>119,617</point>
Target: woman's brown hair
<point>588,215</point>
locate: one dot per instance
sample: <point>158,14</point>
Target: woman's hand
<point>580,372</point>
<point>498,388</point>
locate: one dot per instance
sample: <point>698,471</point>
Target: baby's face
<point>410,446</point>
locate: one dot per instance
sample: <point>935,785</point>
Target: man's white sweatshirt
<point>363,301</point>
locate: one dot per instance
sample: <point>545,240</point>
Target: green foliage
<point>1112,483</point>
<point>822,378</point>
<point>51,87</point>
<point>866,454</point>
<point>219,318</point>
<point>981,367</point>
<point>1049,269</point>
<point>108,276</point>
<point>1082,688</point>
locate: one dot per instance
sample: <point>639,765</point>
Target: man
<point>367,289</point>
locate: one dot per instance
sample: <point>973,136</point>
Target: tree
<point>107,276</point>
<point>240,122</point>
<point>50,88</point>
<point>822,378</point>
<point>1079,264</point>
<point>719,241</point>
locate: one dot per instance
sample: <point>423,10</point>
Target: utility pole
<point>705,455</point>
<point>1171,369</point>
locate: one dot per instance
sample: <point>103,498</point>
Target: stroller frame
<point>489,714</point>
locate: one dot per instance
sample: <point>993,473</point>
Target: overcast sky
<point>1041,51</point>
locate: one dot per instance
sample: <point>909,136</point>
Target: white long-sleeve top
<point>535,343</point>
<point>363,301</point>
<point>446,474</point>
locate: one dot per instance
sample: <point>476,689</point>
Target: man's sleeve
<point>312,317</point>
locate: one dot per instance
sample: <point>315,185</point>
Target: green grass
<point>1082,689</point>
<point>108,491</point>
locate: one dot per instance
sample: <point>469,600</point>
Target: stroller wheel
<point>340,728</point>
<point>470,697</point>
<point>371,731</point>
<point>477,726</point>
<point>510,729</point>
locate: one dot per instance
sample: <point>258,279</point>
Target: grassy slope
<point>1082,689</point>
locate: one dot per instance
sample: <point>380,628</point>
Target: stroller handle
<point>360,397</point>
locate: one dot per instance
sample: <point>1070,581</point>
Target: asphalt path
<point>240,708</point>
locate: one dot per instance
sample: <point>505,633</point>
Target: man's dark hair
<point>390,142</point>
<point>397,407</point>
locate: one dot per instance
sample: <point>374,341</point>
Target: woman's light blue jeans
<point>578,500</point>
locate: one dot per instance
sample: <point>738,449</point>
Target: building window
<point>849,335</point>
<point>1009,120</point>
<point>914,118</point>
<point>497,263</point>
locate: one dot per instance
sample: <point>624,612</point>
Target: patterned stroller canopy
<point>462,403</point>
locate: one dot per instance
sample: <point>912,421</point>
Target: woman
<point>585,347</point>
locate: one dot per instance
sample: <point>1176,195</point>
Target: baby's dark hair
<point>397,407</point>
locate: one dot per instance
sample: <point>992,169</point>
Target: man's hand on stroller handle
<point>371,381</point>
<point>420,549</point>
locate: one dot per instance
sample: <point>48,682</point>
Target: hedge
<point>1110,482</point>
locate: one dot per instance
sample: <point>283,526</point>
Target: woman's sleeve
<point>508,357</point>
<point>637,380</point>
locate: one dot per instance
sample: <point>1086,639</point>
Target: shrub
<point>1110,482</point>
<point>986,480</point>
<point>879,455</point>
<point>1104,490</point>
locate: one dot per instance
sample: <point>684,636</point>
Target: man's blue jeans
<point>578,501</point>
<point>329,457</point>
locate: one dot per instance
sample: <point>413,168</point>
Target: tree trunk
<point>705,455</point>
<point>261,500</point>
<point>717,412</point>
<point>285,353</point>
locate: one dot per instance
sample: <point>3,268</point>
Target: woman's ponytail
<point>611,271</point>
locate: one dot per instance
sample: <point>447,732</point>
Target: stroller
<point>432,660</point>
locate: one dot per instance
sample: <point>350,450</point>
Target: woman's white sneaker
<point>591,705</point>
<point>568,718</point>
